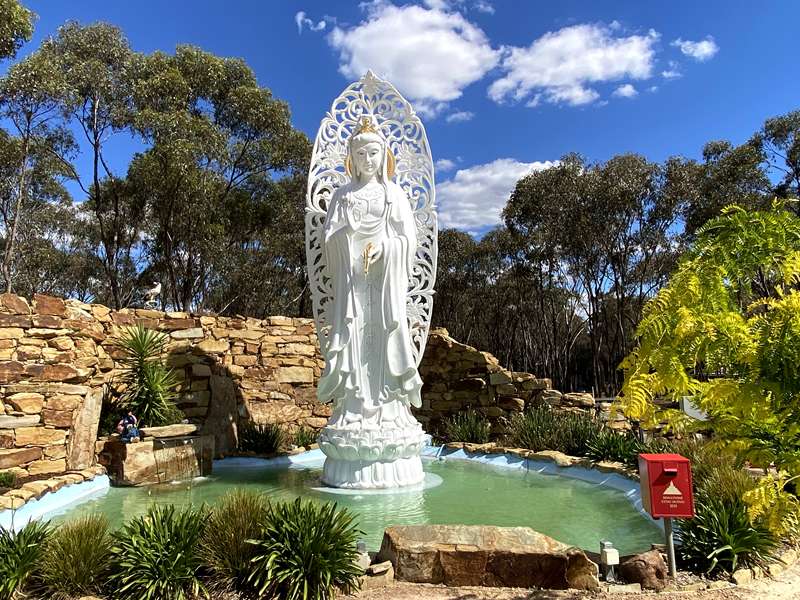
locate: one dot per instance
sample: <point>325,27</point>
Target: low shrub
<point>75,559</point>
<point>721,537</point>
<point>468,426</point>
<point>306,550</point>
<point>7,479</point>
<point>305,436</point>
<point>155,555</point>
<point>261,438</point>
<point>542,428</point>
<point>19,554</point>
<point>615,446</point>
<point>224,550</point>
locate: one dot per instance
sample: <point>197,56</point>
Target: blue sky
<point>504,86</point>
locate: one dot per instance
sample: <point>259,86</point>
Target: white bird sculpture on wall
<point>151,295</point>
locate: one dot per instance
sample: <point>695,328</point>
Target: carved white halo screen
<point>405,135</point>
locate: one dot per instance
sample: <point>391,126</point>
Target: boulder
<point>647,569</point>
<point>465,555</point>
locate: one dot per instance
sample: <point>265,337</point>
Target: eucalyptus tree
<point>779,139</point>
<point>217,140</point>
<point>96,63</point>
<point>36,155</point>
<point>16,27</point>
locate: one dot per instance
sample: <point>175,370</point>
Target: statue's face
<point>367,159</point>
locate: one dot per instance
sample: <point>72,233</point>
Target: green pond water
<point>569,510</point>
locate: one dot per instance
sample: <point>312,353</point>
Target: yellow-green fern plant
<point>725,331</point>
<point>770,504</point>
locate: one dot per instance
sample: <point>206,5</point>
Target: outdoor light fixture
<point>609,556</point>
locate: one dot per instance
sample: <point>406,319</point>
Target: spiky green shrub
<point>468,426</point>
<point>261,438</point>
<point>542,428</point>
<point>224,550</point>
<point>75,559</point>
<point>7,479</point>
<point>19,554</point>
<point>615,446</point>
<point>306,550</point>
<point>149,386</point>
<point>155,556</point>
<point>305,436</point>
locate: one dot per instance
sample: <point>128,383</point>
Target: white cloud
<point>672,72</point>
<point>460,116</point>
<point>652,89</point>
<point>475,197</point>
<point>430,55</point>
<point>445,164</point>
<point>303,21</point>
<point>625,91</point>
<point>700,51</point>
<point>559,65</point>
<point>484,7</point>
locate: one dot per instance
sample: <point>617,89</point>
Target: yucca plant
<point>468,426</point>
<point>150,386</point>
<point>19,554</point>
<point>75,559</point>
<point>306,550</point>
<point>155,556</point>
<point>305,436</point>
<point>261,438</point>
<point>224,550</point>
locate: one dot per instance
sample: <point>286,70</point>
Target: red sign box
<point>666,483</point>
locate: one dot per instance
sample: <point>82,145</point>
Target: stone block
<point>578,399</point>
<point>44,467</point>
<point>18,456</point>
<point>15,321</point>
<point>49,305</point>
<point>512,404</point>
<point>57,418</point>
<point>54,452</point>
<point>294,375</point>
<point>201,370</point>
<point>302,349</point>
<point>6,438</point>
<point>168,431</point>
<point>15,304</point>
<point>30,403</point>
<point>175,324</point>
<point>39,436</point>
<point>11,370</point>
<point>13,422</point>
<point>186,334</point>
<point>11,333</point>
<point>63,343</point>
<point>10,502</point>
<point>245,360</point>
<point>46,321</point>
<point>59,372</point>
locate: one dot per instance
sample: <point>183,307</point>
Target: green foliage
<point>468,426</point>
<point>305,436</point>
<point>75,560</point>
<point>261,438</point>
<point>225,552</point>
<point>16,27</point>
<point>615,446</point>
<point>770,504</point>
<point>726,331</point>
<point>306,550</point>
<point>19,554</point>
<point>7,479</point>
<point>542,428</point>
<point>149,384</point>
<point>155,555</point>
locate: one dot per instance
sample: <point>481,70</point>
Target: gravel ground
<point>785,586</point>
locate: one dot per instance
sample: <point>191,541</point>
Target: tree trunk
<point>8,256</point>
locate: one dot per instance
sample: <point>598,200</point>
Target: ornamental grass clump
<point>261,438</point>
<point>7,479</point>
<point>306,550</point>
<point>19,554</point>
<point>155,556</point>
<point>305,436</point>
<point>542,428</point>
<point>225,550</point>
<point>469,426</point>
<point>610,445</point>
<point>75,560</point>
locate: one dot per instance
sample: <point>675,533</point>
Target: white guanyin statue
<point>371,250</point>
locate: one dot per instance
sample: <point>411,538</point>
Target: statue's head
<point>368,154</point>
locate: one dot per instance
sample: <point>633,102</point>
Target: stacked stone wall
<point>57,357</point>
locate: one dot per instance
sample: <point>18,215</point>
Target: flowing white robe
<point>370,374</point>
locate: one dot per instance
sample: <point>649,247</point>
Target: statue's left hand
<point>374,253</point>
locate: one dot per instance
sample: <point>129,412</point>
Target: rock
<point>11,370</point>
<point>212,346</point>
<point>552,397</point>
<point>15,321</point>
<point>39,436</point>
<point>742,576</point>
<point>185,334</point>
<point>59,372</point>
<point>10,422</point>
<point>15,304</point>
<point>500,378</point>
<point>48,305</point>
<point>57,418</point>
<point>647,569</point>
<point>18,456</point>
<point>200,370</point>
<point>42,467</point>
<point>294,374</point>
<point>273,411</point>
<point>168,431</point>
<point>378,576</point>
<point>460,555</point>
<point>512,404</point>
<point>579,399</point>
<point>629,588</point>
<point>30,403</point>
<point>11,333</point>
